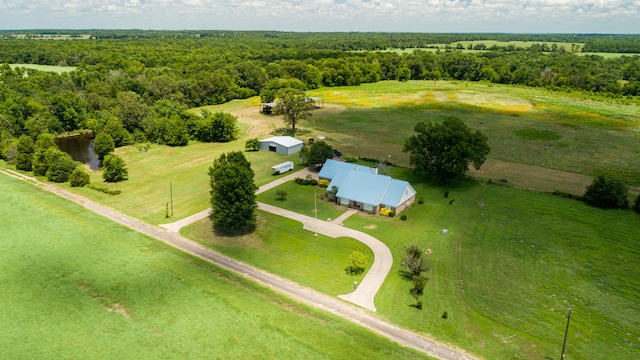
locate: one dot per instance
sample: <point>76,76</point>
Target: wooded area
<point>146,79</point>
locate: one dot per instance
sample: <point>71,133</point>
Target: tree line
<point>140,83</point>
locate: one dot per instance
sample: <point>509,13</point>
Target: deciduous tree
<point>233,191</point>
<point>103,145</point>
<point>446,149</point>
<point>60,165</point>
<point>294,105</point>
<point>319,152</point>
<point>216,127</point>
<point>24,156</point>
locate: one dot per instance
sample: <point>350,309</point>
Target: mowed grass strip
<point>510,266</point>
<point>75,285</point>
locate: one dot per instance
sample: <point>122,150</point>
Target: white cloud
<point>605,16</point>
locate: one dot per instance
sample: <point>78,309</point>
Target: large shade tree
<point>446,149</point>
<point>233,191</point>
<point>294,105</point>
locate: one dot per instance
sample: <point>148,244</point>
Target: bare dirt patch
<point>115,307</point>
<point>261,125</point>
<point>371,226</point>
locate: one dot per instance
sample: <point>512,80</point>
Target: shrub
<point>403,217</point>
<point>79,178</point>
<point>446,194</point>
<point>104,189</point>
<point>391,213</point>
<point>313,182</point>
<point>420,200</point>
<point>114,169</point>
<point>281,194</point>
<point>385,212</point>
<point>356,263</point>
<point>252,145</point>
<point>607,193</point>
<point>445,315</point>
<point>324,183</point>
<point>636,205</point>
<point>419,304</point>
<point>61,165</point>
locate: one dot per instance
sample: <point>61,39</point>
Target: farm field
<point>80,286</point>
<point>524,126</point>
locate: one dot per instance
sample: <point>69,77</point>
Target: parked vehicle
<point>282,168</point>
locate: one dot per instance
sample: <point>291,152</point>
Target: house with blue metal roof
<point>331,167</point>
<point>370,191</point>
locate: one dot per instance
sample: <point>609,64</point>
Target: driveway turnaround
<point>295,291</point>
<point>365,292</point>
<point>382,259</point>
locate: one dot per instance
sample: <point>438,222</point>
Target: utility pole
<point>315,213</point>
<point>566,331</point>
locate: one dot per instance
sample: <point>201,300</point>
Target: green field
<point>78,286</point>
<point>583,136</point>
<point>47,68</point>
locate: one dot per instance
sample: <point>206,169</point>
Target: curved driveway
<point>365,292</point>
<point>382,259</point>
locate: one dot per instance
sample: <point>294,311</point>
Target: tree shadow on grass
<point>230,233</point>
<point>287,131</point>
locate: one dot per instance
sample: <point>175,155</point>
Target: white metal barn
<point>282,144</point>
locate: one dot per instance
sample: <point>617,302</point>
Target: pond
<point>80,147</point>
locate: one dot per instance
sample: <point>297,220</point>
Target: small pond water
<point>80,148</point>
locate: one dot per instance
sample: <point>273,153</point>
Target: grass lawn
<point>281,246</point>
<point>300,198</point>
<point>79,286</point>
<point>581,136</point>
<point>147,191</point>
<point>511,264</point>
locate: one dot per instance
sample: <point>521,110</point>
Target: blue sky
<point>537,16</point>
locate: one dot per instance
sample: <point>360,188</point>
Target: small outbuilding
<point>285,145</point>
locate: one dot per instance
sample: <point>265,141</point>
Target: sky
<point>505,16</point>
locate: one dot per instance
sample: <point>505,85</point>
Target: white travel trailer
<point>282,168</point>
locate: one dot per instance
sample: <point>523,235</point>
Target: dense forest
<point>140,82</point>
